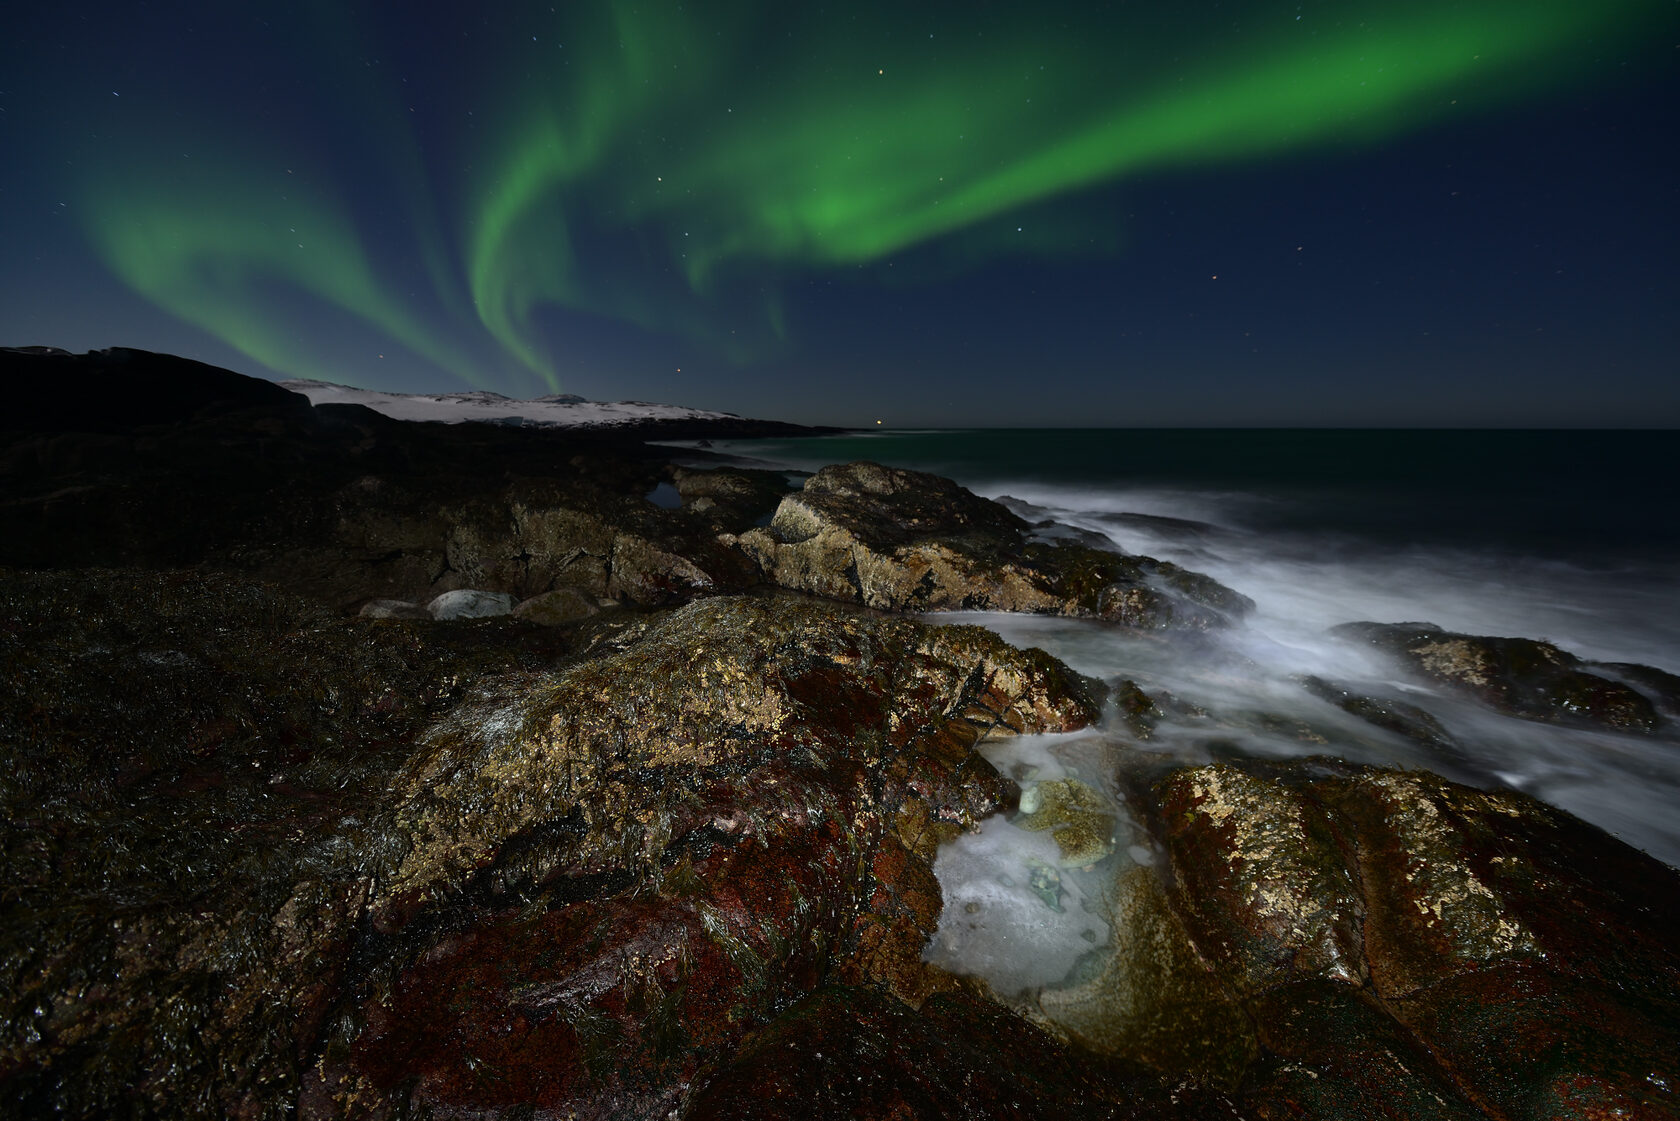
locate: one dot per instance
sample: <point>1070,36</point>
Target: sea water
<point>1569,537</point>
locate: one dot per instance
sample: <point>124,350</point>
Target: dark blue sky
<point>1195,214</point>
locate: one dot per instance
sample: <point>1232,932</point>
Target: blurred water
<point>1564,536</point>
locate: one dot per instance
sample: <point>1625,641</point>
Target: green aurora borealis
<point>469,192</point>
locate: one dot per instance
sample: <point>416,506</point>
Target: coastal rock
<point>1392,715</point>
<point>907,541</point>
<point>731,495</point>
<point>305,865</point>
<point>393,609</point>
<point>733,801</point>
<point>193,766</point>
<point>469,603</point>
<point>1517,676</point>
<point>1398,945</point>
<point>557,608</point>
<point>849,1052</point>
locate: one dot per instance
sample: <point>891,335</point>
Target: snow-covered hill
<point>558,411</point>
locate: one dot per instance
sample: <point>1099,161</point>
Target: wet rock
<point>736,800</point>
<point>1078,819</point>
<point>192,771</point>
<point>1155,1000</point>
<point>1404,719</point>
<point>393,609</point>
<point>1661,687</point>
<point>902,540</point>
<point>244,880</point>
<point>1517,676</point>
<point>1537,1043</point>
<point>469,603</point>
<point>557,608</point>
<point>1402,946</point>
<point>1262,878</point>
<point>1332,1051</point>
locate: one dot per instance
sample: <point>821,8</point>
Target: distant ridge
<point>45,389</point>
<point>120,389</point>
<point>559,410</point>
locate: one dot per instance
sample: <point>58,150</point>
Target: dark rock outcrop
<point>120,390</point>
<point>906,541</point>
<point>1520,676</point>
<point>261,859</point>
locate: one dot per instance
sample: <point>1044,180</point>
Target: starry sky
<point>1185,213</point>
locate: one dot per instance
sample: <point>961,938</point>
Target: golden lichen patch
<point>1291,886</point>
<point>1456,659</point>
<point>710,684</point>
<point>1448,895</point>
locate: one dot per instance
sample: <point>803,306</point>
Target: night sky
<point>1171,213</point>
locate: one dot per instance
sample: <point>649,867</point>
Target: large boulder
<point>265,861</point>
<point>907,541</point>
<point>1335,941</point>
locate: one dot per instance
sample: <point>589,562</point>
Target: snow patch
<point>559,410</point>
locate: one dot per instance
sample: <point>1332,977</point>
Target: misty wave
<point>1249,681</point>
<point>1245,691</point>
<point>1313,550</point>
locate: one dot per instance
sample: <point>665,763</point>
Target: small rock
<point>393,609</point>
<point>1517,676</point>
<point>562,605</point>
<point>470,603</point>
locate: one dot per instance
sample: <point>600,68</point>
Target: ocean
<point>1567,536</point>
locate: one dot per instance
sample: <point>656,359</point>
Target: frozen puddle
<point>1026,897</point>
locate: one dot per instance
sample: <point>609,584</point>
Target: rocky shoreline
<point>641,818</point>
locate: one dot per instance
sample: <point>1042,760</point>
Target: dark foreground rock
<point>906,541</point>
<point>1531,679</point>
<point>261,859</point>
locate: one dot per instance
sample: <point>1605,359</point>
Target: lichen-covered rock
<point>242,882</point>
<point>903,540</point>
<point>1262,877</point>
<point>1518,676</point>
<point>735,801</point>
<point>1342,941</point>
<point>731,497</point>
